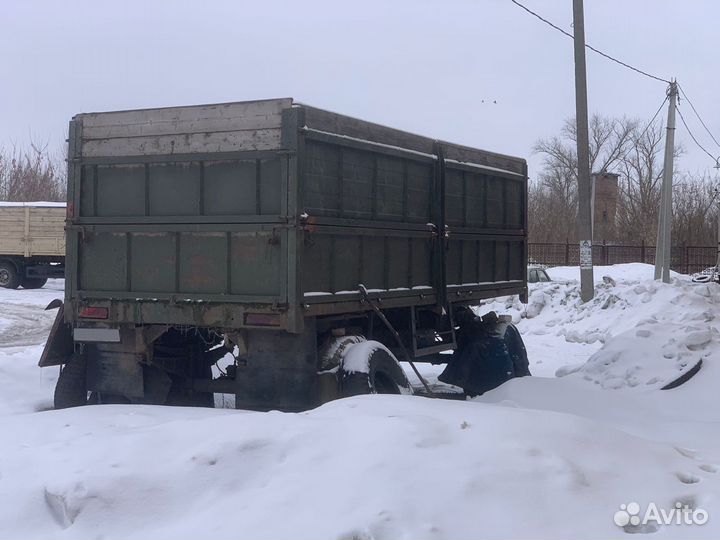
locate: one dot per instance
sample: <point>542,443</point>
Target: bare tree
<point>641,171</point>
<point>553,214</point>
<point>695,211</point>
<point>622,147</point>
<point>31,175</point>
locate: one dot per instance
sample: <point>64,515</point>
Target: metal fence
<point>684,259</point>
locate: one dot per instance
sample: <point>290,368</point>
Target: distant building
<point>605,200</point>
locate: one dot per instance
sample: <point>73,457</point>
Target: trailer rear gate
<point>274,207</point>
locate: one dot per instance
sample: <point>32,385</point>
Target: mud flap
<point>60,344</point>
<point>114,372</point>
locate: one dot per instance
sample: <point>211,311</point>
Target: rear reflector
<point>90,312</point>
<point>262,319</point>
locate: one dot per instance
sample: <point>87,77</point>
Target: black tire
<point>71,389</point>
<point>384,375</point>
<point>33,283</point>
<point>9,277</point>
<point>332,352</point>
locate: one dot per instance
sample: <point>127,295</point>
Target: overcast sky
<point>482,73</point>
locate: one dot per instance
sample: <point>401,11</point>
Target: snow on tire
<point>369,367</point>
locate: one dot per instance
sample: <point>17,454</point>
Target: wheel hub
<point>4,276</point>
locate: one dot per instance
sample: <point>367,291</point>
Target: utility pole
<point>662,251</point>
<point>583,152</point>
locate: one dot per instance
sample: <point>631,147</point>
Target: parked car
<point>536,275</point>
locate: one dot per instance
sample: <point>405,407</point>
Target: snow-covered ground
<point>553,455</point>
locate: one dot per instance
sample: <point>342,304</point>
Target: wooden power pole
<point>583,153</point>
<point>663,249</point>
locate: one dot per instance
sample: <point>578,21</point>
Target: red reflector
<point>262,319</point>
<point>93,313</point>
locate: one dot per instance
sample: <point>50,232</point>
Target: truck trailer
<point>32,243</point>
<point>316,248</point>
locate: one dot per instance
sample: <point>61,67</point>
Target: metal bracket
<point>365,296</point>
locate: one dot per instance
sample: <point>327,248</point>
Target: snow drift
<point>538,457</point>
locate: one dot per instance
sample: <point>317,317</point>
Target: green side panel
<point>318,261</point>
<point>514,198</point>
<point>475,189</point>
<point>419,188</point>
<point>472,259</point>
<point>87,190</point>
<point>420,262</point>
<point>454,197</point>
<point>481,200</point>
<point>357,184</point>
<point>174,189</point>
<point>486,261</point>
<point>362,185</point>
<point>495,203</point>
<point>340,261</point>
<point>120,191</point>
<point>501,261</point>
<point>202,263</point>
<point>347,272</point>
<point>389,191</point>
<point>270,187</point>
<point>256,263</point>
<point>247,263</point>
<point>516,260</point>
<point>103,261</point>
<point>321,192</point>
<point>230,188</point>
<point>154,262</point>
<point>374,256</point>
<point>181,189</point>
<point>398,263</point>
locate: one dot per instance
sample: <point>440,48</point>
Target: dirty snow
<point>553,455</point>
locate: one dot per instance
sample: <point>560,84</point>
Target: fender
<point>59,345</point>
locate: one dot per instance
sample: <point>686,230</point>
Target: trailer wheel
<point>33,283</point>
<point>9,277</point>
<point>332,352</point>
<point>382,376</point>
<point>71,389</point>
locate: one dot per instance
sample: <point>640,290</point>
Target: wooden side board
<point>32,231</point>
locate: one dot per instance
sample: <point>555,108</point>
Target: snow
<point>35,204</point>
<point>618,272</point>
<point>539,457</point>
<point>357,356</point>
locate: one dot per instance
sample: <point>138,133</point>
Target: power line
<point>715,159</point>
<point>698,115</point>
<point>650,123</point>
<point>640,71</point>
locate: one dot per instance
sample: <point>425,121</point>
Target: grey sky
<point>425,66</point>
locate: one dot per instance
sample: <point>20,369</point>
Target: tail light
<point>91,312</point>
